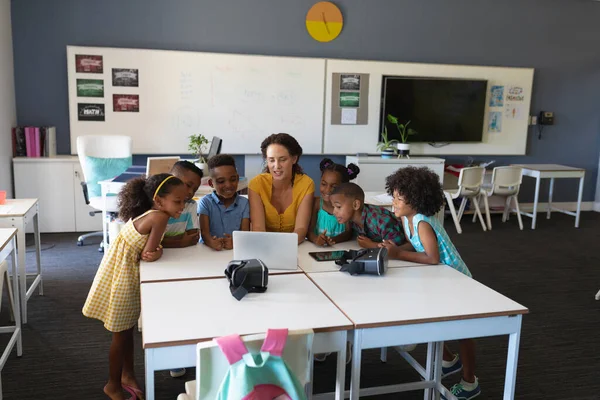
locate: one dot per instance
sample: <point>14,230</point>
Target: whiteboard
<point>350,139</point>
<point>239,98</point>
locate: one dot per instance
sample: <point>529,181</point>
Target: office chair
<point>101,157</point>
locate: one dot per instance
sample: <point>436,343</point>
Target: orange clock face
<point>324,21</point>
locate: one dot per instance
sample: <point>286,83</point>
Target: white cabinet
<point>374,170</point>
<point>55,181</point>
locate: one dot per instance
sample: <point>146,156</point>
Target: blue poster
<point>497,97</point>
<point>495,122</point>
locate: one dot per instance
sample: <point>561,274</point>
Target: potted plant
<point>197,146</point>
<point>403,146</point>
<point>387,147</point>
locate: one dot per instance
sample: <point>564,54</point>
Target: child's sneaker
<point>178,372</point>
<point>465,390</point>
<point>451,367</point>
<point>321,357</point>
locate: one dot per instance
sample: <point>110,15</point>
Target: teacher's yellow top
<point>274,222</point>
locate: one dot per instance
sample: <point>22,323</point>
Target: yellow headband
<point>159,186</point>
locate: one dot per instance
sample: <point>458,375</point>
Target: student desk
<point>8,248</point>
<point>552,171</point>
<point>194,262</point>
<point>310,265</point>
<point>413,305</point>
<point>177,315</point>
<point>18,213</point>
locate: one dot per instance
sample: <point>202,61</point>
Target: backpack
<point>262,376</point>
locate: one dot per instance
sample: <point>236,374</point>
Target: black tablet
<point>327,255</point>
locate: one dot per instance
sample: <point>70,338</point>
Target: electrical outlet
<point>533,120</point>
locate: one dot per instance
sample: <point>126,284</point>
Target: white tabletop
<point>548,167</point>
<point>413,295</point>
<point>309,264</point>
<point>185,312</point>
<point>5,235</point>
<point>194,262</point>
<point>16,207</point>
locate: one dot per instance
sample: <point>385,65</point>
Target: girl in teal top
<point>324,228</point>
<point>417,197</point>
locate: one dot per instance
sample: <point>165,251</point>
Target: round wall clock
<point>324,21</point>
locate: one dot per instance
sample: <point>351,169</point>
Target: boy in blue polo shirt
<point>223,211</point>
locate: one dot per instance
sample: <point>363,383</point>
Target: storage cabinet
<point>55,181</point>
<point>374,170</point>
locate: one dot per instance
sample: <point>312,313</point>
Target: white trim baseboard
<point>597,206</point>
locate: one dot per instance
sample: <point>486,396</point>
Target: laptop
<point>277,250</point>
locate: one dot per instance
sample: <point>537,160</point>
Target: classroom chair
<point>211,365</point>
<point>469,188</point>
<point>506,182</point>
<point>16,328</point>
<point>101,157</point>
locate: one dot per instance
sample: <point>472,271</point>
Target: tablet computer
<point>327,255</point>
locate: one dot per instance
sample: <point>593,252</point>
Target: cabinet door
<point>52,184</point>
<point>84,222</point>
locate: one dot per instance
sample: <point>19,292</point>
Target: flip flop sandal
<point>136,393</point>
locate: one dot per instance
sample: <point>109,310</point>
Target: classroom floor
<point>553,270</point>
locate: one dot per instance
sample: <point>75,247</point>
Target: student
<point>114,298</point>
<point>324,228</point>
<point>417,197</point>
<point>184,231</point>
<point>373,224</point>
<point>223,211</point>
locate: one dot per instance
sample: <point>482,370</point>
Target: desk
<point>18,213</point>
<point>421,312</point>
<point>177,315</point>
<point>114,186</point>
<point>8,247</point>
<point>194,262</point>
<point>310,265</point>
<point>552,171</point>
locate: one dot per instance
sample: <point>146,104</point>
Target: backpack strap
<point>232,347</point>
<point>275,341</point>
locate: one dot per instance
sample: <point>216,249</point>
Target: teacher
<point>281,198</point>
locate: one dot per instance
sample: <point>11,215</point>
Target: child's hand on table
<point>191,238</point>
<point>391,247</point>
<point>151,256</point>
<point>324,240</point>
<point>366,243</point>
<point>227,242</point>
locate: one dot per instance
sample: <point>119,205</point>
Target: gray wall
<point>559,38</point>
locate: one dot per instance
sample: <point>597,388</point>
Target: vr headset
<point>247,276</point>
<point>365,261</point>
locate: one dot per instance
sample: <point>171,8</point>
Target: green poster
<point>349,99</point>
<point>90,88</point>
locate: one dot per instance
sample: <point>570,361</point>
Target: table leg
<point>437,368</point>
<point>22,249</point>
<point>38,250</point>
<point>16,301</point>
<point>579,196</point>
<point>511,362</point>
<point>550,193</point>
<point>355,374</point>
<point>150,374</point>
<point>429,365</point>
<point>535,201</point>
<point>340,381</point>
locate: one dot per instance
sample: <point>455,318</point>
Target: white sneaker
<point>178,372</point>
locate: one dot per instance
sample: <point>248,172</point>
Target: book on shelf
<point>30,141</point>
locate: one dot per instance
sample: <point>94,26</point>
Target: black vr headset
<point>365,261</point>
<point>246,276</point>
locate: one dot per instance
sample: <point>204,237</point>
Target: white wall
<point>8,113</point>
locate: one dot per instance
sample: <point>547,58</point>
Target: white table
<point>194,262</point>
<point>18,213</point>
<point>109,187</point>
<point>310,265</point>
<point>8,248</point>
<point>421,311</point>
<point>177,315</point>
<point>552,171</point>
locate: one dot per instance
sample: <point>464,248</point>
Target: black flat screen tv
<point>440,110</point>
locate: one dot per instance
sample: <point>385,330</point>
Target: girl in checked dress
<point>147,204</point>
